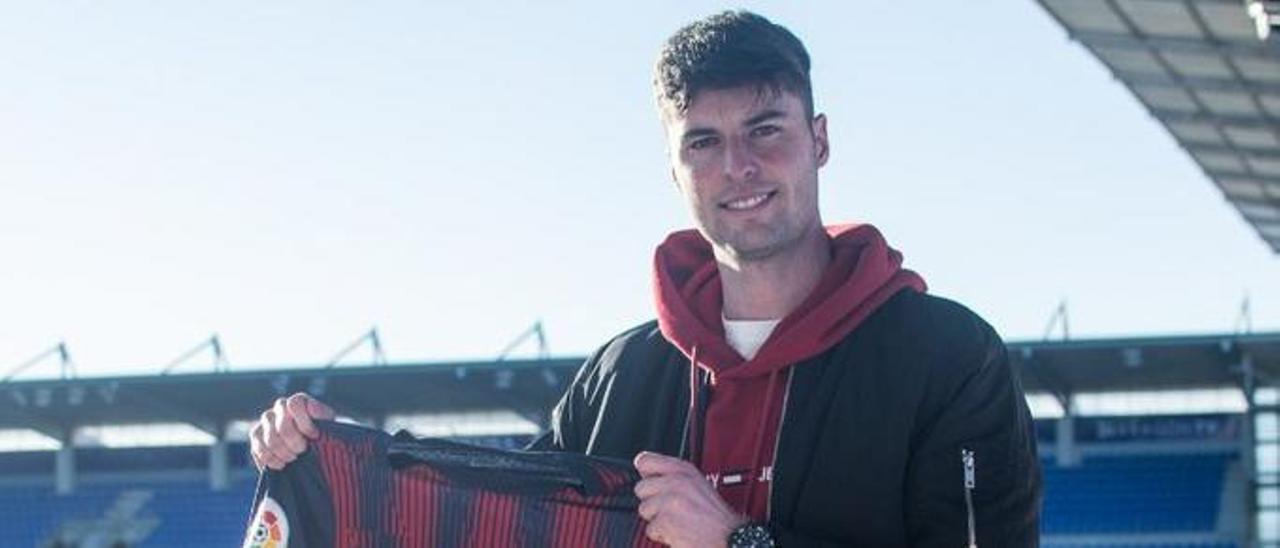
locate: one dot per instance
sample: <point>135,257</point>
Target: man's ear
<point>821,146</point>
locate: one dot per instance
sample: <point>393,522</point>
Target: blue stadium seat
<point>1134,494</point>
<point>189,513</point>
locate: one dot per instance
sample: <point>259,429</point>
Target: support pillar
<point>1066,452</point>
<point>219,464</point>
<point>64,468</point>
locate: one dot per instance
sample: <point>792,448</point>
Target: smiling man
<point>799,387</point>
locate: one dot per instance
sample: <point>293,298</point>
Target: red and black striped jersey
<point>357,487</point>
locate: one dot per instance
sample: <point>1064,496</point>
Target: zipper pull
<point>970,482</point>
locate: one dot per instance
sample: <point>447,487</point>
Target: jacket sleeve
<point>571,419</point>
<point>973,404</point>
<point>787,538</point>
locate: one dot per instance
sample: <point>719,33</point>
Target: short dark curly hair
<point>728,50</point>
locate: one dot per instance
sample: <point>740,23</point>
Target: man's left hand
<point>680,505</point>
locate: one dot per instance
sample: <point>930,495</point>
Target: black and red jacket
<point>358,487</point>
<point>874,415</point>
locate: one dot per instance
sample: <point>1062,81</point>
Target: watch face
<point>751,535</point>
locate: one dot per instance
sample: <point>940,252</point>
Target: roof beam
<point>48,427</point>
<point>166,408</point>
<point>1250,201</point>
<point>1167,117</point>
<point>1179,45</point>
<point>1260,122</point>
<point>353,406</point>
<point>1196,83</point>
<point>1243,153</point>
<point>1040,370</point>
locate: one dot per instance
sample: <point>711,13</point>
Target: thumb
<point>319,410</point>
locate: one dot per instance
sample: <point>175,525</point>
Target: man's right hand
<point>282,431</point>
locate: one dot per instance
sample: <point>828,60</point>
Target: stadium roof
<point>530,387</point>
<point>209,400</point>
<point>1144,364</point>
<point>1209,71</point>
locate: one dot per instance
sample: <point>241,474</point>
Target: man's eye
<point>765,131</point>
<point>704,142</point>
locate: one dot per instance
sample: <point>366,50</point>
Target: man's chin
<point>758,244</point>
<point>749,250</point>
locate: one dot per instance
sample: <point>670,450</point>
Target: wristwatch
<point>751,535</point>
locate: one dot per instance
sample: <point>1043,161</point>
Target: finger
<point>653,508</point>
<point>273,442</point>
<point>649,464</point>
<point>277,458</point>
<point>287,428</point>
<point>654,532</point>
<point>262,454</point>
<point>657,485</point>
<point>299,408</point>
<point>648,509</point>
<point>272,462</point>
<point>319,410</point>
<point>255,446</point>
<point>264,429</point>
<point>281,460</point>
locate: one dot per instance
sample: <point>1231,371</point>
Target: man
<point>798,388</point>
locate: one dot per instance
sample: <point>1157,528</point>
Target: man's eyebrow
<point>697,132</point>
<point>764,116</point>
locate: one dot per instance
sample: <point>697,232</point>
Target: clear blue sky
<point>288,174</point>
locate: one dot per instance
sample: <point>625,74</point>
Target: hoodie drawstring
<point>692,418</point>
<point>691,439</point>
<point>757,458</point>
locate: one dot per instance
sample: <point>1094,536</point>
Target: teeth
<point>747,203</point>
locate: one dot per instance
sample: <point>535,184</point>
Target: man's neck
<point>770,288</point>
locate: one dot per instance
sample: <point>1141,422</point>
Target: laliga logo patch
<point>270,527</point>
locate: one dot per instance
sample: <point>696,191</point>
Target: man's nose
<point>740,163</point>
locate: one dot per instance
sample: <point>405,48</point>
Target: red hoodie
<point>747,397</point>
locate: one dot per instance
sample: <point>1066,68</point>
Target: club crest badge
<point>269,528</point>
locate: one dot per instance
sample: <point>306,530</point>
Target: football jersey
<point>357,487</point>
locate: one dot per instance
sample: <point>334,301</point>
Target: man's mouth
<point>747,203</point>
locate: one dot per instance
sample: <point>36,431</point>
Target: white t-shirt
<point>747,336</point>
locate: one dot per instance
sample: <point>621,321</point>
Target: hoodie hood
<point>864,272</point>
<point>736,406</point>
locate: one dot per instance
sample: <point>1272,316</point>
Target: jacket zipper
<point>970,482</point>
<point>777,439</point>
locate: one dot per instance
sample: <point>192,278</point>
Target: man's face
<point>747,163</point>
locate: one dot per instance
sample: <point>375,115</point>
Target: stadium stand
<point>145,497</point>
<point>1146,481</point>
<point>1206,71</point>
<point>1160,490</point>
<point>155,496</point>
<point>1142,481</point>
<point>179,511</point>
<point>1176,492</point>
